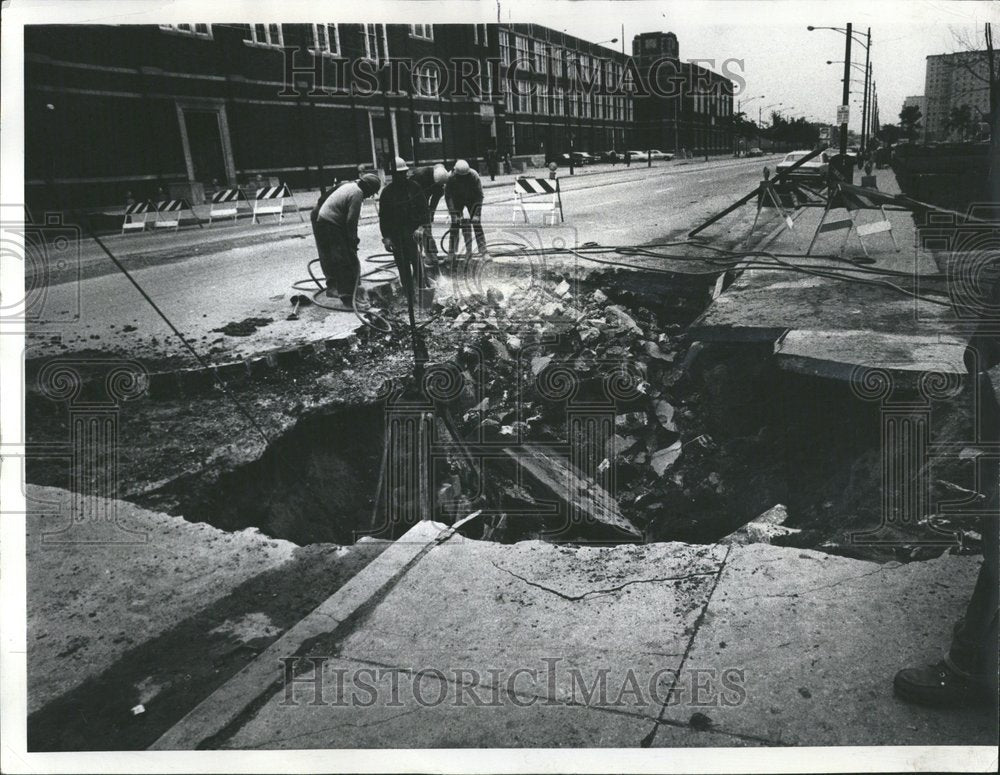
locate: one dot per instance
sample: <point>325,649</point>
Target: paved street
<point>204,279</point>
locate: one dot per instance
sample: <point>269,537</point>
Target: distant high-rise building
<point>953,80</point>
<point>919,101</point>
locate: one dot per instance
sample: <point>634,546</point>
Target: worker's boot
<point>942,686</point>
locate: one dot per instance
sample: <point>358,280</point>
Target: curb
<point>191,382</point>
<point>227,704</point>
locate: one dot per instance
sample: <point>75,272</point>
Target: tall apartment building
<point>953,80</point>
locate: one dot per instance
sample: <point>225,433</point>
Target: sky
<point>783,60</point>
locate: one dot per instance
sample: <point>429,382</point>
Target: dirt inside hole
<point>695,440</point>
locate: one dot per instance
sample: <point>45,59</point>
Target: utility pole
<point>846,101</point>
<point>865,103</point>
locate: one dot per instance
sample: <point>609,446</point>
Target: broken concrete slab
<point>583,503</point>
<point>839,354</point>
<point>576,618</point>
<point>228,702</point>
<point>431,710</point>
<point>92,599</point>
<point>763,529</point>
<point>818,639</point>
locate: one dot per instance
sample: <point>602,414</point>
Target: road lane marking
<point>662,190</point>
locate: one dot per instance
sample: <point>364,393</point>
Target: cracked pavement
<point>670,644</point>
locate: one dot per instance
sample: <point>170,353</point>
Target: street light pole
<point>846,97</point>
<point>865,106</point>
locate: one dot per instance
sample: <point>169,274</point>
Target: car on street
<point>656,155</point>
<point>755,152</point>
<point>580,158</point>
<point>638,155</point>
<point>609,156</point>
<point>815,169</point>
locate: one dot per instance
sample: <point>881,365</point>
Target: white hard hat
<point>461,167</point>
<point>440,173</point>
<point>400,164</point>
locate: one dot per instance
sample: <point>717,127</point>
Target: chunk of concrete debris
<point>589,335</point>
<point>653,351</point>
<point>599,296</point>
<point>539,362</point>
<point>763,529</point>
<point>584,503</point>
<point>631,420</point>
<point>662,459</point>
<point>665,414</point>
<point>626,320</point>
<point>138,710</point>
<point>562,289</point>
<point>514,343</point>
<point>461,320</point>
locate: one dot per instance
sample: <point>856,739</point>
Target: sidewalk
<point>830,327</point>
<point>473,644</point>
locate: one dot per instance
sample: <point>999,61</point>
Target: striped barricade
<point>168,213</point>
<point>853,199</point>
<point>539,195</point>
<point>136,215</point>
<point>226,204</point>
<point>271,201</point>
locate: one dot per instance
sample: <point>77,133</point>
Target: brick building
<point>688,106</point>
<point>564,90</point>
<point>183,109</point>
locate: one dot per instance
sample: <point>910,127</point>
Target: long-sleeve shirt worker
<point>343,207</point>
<point>402,208</point>
<point>463,189</point>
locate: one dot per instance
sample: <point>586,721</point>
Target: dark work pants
<point>407,257</point>
<point>338,255</point>
<point>430,246</point>
<point>475,214</point>
<point>974,642</point>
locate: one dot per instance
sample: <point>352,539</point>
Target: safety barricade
<point>226,204</point>
<point>271,201</point>
<point>136,215</point>
<point>537,195</point>
<point>168,213</point>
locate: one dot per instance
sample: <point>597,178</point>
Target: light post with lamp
<point>848,33</point>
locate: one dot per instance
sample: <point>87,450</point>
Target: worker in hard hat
<point>402,217</point>
<point>431,181</point>
<point>464,191</point>
<point>335,228</point>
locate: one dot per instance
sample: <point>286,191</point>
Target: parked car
<point>815,169</point>
<point>580,158</point>
<point>755,152</point>
<point>609,156</point>
<point>656,155</point>
<point>638,155</point>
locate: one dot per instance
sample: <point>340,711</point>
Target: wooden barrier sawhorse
<point>226,204</point>
<point>136,215</point>
<point>853,198</point>
<point>538,194</point>
<point>271,201</point>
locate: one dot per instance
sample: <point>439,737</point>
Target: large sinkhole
<point>600,420</point>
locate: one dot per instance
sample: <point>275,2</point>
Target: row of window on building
<point>325,36</point>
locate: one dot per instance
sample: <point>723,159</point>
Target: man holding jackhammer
<point>402,217</point>
<point>431,181</point>
<point>335,227</point>
<point>464,191</point>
